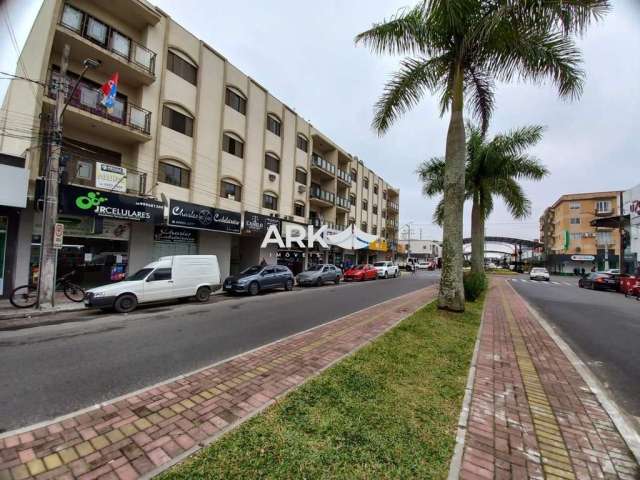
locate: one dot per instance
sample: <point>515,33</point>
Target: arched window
<point>177,63</point>
<point>270,200</point>
<point>298,209</point>
<point>301,175</point>
<point>272,162</point>
<point>177,119</point>
<point>273,124</point>
<point>302,143</point>
<point>173,173</point>
<point>236,100</point>
<point>230,189</point>
<point>233,144</point>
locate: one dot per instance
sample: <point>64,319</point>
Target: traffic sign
<point>58,235</point>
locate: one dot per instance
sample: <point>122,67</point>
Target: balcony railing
<point>343,202</point>
<point>603,213</point>
<point>344,176</point>
<point>318,161</point>
<point>82,170</point>
<point>108,38</point>
<point>319,193</point>
<point>393,206</point>
<point>87,97</point>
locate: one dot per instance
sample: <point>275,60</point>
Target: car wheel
<point>386,275</point>
<point>203,294</point>
<point>318,282</point>
<point>254,288</point>
<point>288,285</point>
<point>125,303</point>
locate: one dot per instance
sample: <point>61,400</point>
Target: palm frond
<point>438,214</point>
<point>431,174</point>
<point>481,87</point>
<point>514,198</point>
<point>517,140</point>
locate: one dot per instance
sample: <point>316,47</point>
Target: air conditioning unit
<point>272,177</point>
<point>302,188</point>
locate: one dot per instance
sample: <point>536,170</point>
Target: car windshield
<point>358,267</point>
<point>314,268</point>
<point>139,275</point>
<point>251,270</point>
<point>379,264</point>
<point>539,270</point>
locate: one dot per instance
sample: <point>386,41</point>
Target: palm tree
<point>458,49</point>
<point>492,169</point>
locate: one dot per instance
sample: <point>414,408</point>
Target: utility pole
<point>49,254</point>
<point>621,233</point>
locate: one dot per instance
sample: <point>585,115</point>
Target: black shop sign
<point>76,200</point>
<point>256,224</point>
<point>192,215</point>
<point>164,233</point>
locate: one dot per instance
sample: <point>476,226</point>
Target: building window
<point>233,145</point>
<point>354,175</point>
<point>374,230</point>
<point>301,176</point>
<point>84,170</point>
<point>270,201</point>
<point>230,190</point>
<point>363,227</point>
<point>384,214</point>
<point>603,206</point>
<point>575,221</point>
<point>375,209</point>
<point>273,125</point>
<point>173,175</point>
<point>375,189</point>
<point>604,238</point>
<point>236,101</point>
<point>182,68</point>
<point>352,199</point>
<point>298,209</point>
<point>177,121</point>
<point>302,143</point>
<point>574,206</point>
<point>271,162</point>
<point>576,236</point>
<point>365,205</point>
<point>365,182</point>
<point>384,195</point>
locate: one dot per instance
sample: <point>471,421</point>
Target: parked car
<point>633,291</point>
<point>361,272</point>
<point>258,278</point>
<point>174,277</point>
<point>423,265</point>
<point>539,273</point>
<point>318,275</point>
<point>598,281</point>
<point>386,269</point>
<point>613,271</point>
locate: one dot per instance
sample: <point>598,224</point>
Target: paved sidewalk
<point>9,313</point>
<point>147,431</point>
<point>532,415</point>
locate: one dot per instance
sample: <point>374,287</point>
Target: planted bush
<point>474,285</point>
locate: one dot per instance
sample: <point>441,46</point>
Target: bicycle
<point>26,296</point>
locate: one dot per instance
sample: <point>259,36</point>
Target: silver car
<point>318,275</point>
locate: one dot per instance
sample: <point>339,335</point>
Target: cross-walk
<point>539,282</point>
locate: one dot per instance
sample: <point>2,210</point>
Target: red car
<point>361,272</point>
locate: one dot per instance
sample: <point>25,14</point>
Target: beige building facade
<point>186,126</point>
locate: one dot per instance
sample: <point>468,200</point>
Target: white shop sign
<point>111,177</point>
<point>583,258</point>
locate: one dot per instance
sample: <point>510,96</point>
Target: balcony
<point>319,164</point>
<point>344,177</point>
<point>90,37</point>
<point>343,202</point>
<point>126,122</point>
<point>603,213</point>
<point>393,206</point>
<point>322,197</point>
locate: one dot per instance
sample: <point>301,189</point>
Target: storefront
<point>632,208</point>
<point>297,258</point>
<point>254,229</point>
<point>9,219</point>
<point>169,241</point>
<point>98,224</point>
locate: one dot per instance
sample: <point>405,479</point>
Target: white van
<point>179,276</point>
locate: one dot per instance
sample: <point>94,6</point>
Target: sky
<point>303,53</point>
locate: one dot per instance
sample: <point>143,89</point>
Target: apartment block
<point>201,156</point>
<point>571,242</point>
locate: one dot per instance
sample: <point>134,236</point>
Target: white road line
<point>555,283</point>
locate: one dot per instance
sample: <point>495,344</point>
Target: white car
<point>613,271</point>
<point>423,265</point>
<point>386,269</point>
<point>176,277</point>
<point>539,273</point>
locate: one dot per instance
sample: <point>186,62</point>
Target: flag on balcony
<point>109,91</point>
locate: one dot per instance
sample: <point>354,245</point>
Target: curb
<point>620,419</point>
<point>458,451</point>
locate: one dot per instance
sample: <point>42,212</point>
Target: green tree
<point>493,169</point>
<point>458,49</point>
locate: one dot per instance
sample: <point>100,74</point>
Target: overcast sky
<point>303,52</point>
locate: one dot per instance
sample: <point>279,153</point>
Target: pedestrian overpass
<point>518,245</point>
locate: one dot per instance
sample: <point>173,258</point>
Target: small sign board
<point>58,235</point>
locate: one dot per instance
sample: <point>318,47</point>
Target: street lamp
<point>48,252</point>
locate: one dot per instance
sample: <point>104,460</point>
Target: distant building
<point>423,249</point>
<point>570,241</point>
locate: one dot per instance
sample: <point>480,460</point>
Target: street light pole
<point>48,253</point>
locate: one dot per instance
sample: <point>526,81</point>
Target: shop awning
<point>351,238</point>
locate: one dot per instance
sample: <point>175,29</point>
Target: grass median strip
<point>388,411</point>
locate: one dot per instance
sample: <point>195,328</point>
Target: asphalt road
<point>53,370</point>
<point>602,327</point>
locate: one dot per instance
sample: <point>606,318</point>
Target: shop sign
<point>88,227</point>
<point>379,245</point>
<point>111,177</point>
<point>254,223</point>
<point>192,215</point>
<point>58,235</point>
<point>583,258</point>
<point>76,200</point>
<point>163,233</point>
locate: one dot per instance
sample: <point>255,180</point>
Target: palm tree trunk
<point>477,237</point>
<point>451,295</point>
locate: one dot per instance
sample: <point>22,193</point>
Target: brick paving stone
<point>532,415</point>
<point>135,435</point>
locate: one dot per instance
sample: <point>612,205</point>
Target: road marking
<point>567,283</point>
<point>555,283</point>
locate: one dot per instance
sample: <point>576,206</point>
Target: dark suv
<point>259,277</point>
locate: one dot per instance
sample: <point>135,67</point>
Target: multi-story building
<point>200,155</point>
<point>569,239</point>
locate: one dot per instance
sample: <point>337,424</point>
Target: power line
<point>12,37</point>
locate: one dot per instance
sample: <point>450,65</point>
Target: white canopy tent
<point>352,238</point>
